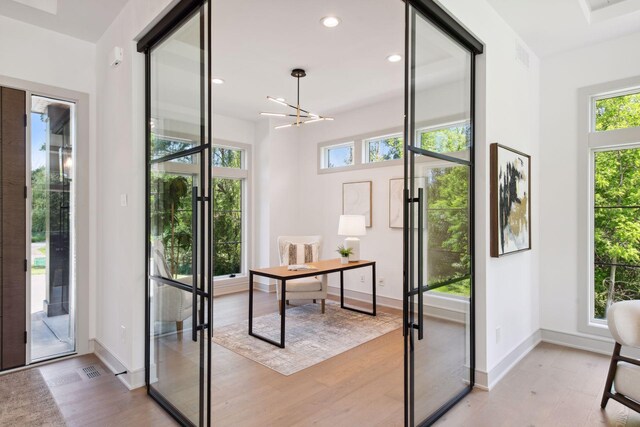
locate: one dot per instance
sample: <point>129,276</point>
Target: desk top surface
<point>321,267</point>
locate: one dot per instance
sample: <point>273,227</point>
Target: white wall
<point>321,195</point>
<point>561,77</point>
<point>52,64</point>
<point>121,169</point>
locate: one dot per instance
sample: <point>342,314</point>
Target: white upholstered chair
<point>171,304</point>
<point>623,319</point>
<point>308,288</point>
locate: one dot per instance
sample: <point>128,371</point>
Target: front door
<point>438,229</point>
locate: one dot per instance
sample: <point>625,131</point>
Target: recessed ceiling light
<point>394,58</point>
<point>217,81</point>
<point>330,21</point>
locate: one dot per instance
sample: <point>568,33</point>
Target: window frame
<point>324,156</point>
<point>244,174</point>
<point>366,147</point>
<point>591,142</point>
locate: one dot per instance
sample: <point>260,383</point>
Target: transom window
<point>383,148</point>
<point>616,112</point>
<point>338,155</point>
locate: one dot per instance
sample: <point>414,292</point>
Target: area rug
<point>311,337</point>
<point>26,401</point>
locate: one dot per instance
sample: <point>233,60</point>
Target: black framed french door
<point>178,212</point>
<point>439,212</point>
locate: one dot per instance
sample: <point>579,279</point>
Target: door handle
<point>194,262</point>
<point>420,260</point>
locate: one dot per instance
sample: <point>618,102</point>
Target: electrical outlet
<point>381,281</point>
<point>124,200</point>
<point>498,334</point>
<point>123,333</point>
<point>362,278</point>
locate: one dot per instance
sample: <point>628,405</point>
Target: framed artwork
<point>396,199</point>
<point>356,199</point>
<point>510,193</point>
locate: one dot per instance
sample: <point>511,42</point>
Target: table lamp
<point>351,226</point>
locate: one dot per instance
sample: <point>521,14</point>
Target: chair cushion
<point>307,284</point>
<point>300,253</point>
<point>627,381</point>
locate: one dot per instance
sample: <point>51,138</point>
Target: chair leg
<point>322,306</point>
<point>280,306</point>
<point>287,302</point>
<point>314,300</point>
<point>179,325</point>
<point>612,374</point>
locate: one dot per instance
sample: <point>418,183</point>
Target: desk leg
<point>282,315</point>
<point>373,286</point>
<point>357,310</point>
<point>341,289</point>
<point>256,335</point>
<point>250,303</point>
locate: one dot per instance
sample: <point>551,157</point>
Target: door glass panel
<point>52,189</point>
<point>178,338</point>
<point>441,265</point>
<point>176,96</point>
<point>441,358</point>
<point>442,96</point>
<point>174,369</point>
<point>171,186</point>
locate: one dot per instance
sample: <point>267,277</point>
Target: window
<point>616,226</point>
<point>610,233</point>
<point>383,148</point>
<point>335,156</point>
<point>617,112</point>
<point>227,157</point>
<point>230,187</point>
<point>446,139</point>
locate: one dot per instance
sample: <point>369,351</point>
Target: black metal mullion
<point>179,154</point>
<point>147,208</point>
<point>209,230</point>
<point>440,156</point>
<point>202,220</point>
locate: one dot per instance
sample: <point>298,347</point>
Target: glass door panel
<point>439,220</point>
<point>51,207</point>
<point>178,212</point>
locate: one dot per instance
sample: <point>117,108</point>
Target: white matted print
<point>396,199</point>
<point>356,199</point>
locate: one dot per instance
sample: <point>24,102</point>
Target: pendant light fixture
<point>300,113</point>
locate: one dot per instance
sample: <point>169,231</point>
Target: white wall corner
<point>488,380</point>
<point>132,379</point>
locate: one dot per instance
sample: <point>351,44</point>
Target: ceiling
<point>257,43</point>
<point>553,26</point>
<point>82,19</point>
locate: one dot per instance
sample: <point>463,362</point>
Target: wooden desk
<point>322,267</point>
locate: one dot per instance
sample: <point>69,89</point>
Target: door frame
<point>442,20</point>
<point>84,225</point>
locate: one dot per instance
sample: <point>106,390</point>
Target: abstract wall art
<point>510,206</point>
<point>356,199</point>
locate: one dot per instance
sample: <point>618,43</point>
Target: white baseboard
<point>231,288</point>
<point>591,343</point>
<point>132,379</point>
<point>488,380</point>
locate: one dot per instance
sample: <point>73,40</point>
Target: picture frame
<point>396,199</point>
<point>510,200</point>
<point>357,200</point>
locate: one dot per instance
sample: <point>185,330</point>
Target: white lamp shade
<point>352,225</point>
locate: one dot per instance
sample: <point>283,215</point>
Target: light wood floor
<point>551,386</point>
